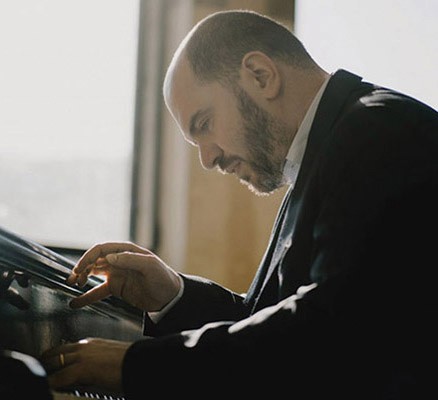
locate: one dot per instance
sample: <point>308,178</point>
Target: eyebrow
<point>194,120</point>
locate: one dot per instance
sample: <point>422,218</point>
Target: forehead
<point>188,99</point>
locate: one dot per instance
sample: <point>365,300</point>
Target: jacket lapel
<point>261,273</point>
<point>338,89</point>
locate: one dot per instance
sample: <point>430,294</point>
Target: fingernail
<point>112,258</point>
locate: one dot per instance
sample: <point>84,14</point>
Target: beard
<point>267,143</point>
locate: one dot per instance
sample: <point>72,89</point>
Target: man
<point>341,305</point>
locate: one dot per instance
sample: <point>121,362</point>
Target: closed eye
<point>205,126</point>
<point>200,122</point>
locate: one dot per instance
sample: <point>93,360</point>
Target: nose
<point>209,155</point>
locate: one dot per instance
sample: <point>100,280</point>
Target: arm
<point>142,279</point>
<point>202,301</point>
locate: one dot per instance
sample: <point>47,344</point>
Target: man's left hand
<point>92,361</point>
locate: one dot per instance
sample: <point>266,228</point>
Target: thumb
<point>112,258</point>
<point>93,295</point>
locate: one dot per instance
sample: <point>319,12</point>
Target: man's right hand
<point>132,273</point>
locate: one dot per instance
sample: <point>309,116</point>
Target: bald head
<point>216,46</point>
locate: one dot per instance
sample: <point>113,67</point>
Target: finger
<point>58,361</point>
<point>82,278</point>
<point>52,359</point>
<point>133,261</point>
<point>65,377</point>
<point>79,278</point>
<point>99,267</point>
<point>100,262</point>
<point>95,294</point>
<point>101,250</point>
<point>62,348</point>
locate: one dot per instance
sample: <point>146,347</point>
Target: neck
<point>301,87</point>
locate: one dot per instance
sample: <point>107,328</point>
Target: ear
<point>260,74</point>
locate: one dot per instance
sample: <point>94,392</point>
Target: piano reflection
<point>34,310</point>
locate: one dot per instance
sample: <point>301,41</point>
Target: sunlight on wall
<point>389,42</point>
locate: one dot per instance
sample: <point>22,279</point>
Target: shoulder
<point>377,102</point>
<point>384,114</point>
<point>378,127</point>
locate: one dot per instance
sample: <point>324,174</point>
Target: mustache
<point>225,162</point>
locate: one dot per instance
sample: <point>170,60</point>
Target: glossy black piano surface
<point>34,310</point>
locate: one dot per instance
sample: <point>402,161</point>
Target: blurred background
<point>89,153</point>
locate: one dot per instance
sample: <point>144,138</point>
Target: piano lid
<point>27,259</point>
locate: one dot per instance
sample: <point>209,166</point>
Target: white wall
<point>390,42</point>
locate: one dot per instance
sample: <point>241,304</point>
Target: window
<point>67,111</point>
<point>392,43</point>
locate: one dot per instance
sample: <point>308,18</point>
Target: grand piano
<point>34,310</point>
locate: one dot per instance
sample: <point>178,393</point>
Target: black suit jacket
<point>342,305</point>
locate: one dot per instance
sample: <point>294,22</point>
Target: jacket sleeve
<point>280,348</point>
<point>203,301</point>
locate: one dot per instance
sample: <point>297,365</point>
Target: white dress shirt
<point>296,152</point>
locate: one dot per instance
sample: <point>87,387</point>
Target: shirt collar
<point>296,150</point>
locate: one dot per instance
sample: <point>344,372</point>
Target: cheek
<point>231,134</point>
<point>234,143</point>
<point>228,127</point>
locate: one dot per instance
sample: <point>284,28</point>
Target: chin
<point>259,189</point>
